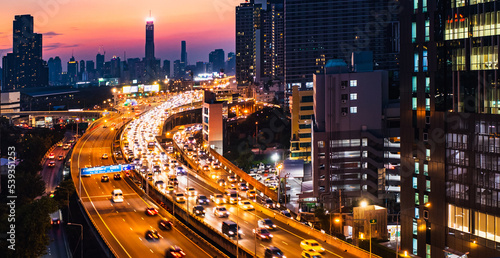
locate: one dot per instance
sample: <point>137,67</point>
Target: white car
<point>220,211</point>
<point>191,191</point>
<point>104,156</point>
<point>310,244</point>
<point>180,198</point>
<point>246,205</point>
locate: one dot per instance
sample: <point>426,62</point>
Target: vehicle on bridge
<point>198,210</point>
<point>105,178</point>
<point>117,195</point>
<point>165,224</point>
<point>56,218</point>
<point>153,235</point>
<point>263,234</point>
<point>311,245</point>
<point>220,211</point>
<point>175,252</point>
<point>273,252</point>
<point>231,229</point>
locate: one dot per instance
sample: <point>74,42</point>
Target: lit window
<point>427,84</point>
<point>354,110</point>
<point>414,84</point>
<point>321,144</point>
<point>413,32</point>
<point>414,103</point>
<point>417,213</point>
<point>415,62</point>
<point>424,61</point>
<point>354,96</point>
<point>415,183</point>
<point>415,243</point>
<point>417,200</point>
<point>427,153</point>
<point>426,169</point>
<point>426,198</point>
<point>417,166</point>
<point>428,185</point>
<point>427,30</point>
<point>353,83</point>
<point>415,5</point>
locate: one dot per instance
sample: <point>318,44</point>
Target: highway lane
<point>52,175</point>
<point>285,237</point>
<point>123,224</point>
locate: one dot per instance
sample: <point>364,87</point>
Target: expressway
<point>285,237</point>
<point>122,225</point>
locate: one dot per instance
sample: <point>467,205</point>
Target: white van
<point>117,195</point>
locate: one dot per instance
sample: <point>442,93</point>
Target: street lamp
<point>81,235</point>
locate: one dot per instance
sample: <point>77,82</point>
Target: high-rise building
<point>216,57</point>
<point>152,65</point>
<point>166,68</point>
<point>72,68</point>
<point>450,155</point>
<point>355,142</point>
<point>24,67</point>
<point>272,40</point>
<point>301,110</point>
<point>230,63</point>
<point>323,29</point>
<point>150,39</point>
<point>200,68</point>
<point>177,69</point>
<point>99,63</point>
<point>55,70</point>
<point>183,53</point>
<point>90,65</point>
<point>248,42</point>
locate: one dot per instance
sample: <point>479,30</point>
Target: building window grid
<point>427,84</point>
<point>415,62</point>
<point>353,83</point>
<point>354,96</point>
<point>425,63</point>
<point>414,103</point>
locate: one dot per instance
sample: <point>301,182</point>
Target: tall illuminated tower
<point>150,39</point>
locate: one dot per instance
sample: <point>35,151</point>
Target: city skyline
<point>64,33</point>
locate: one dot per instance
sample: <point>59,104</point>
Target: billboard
<point>126,89</point>
<point>134,89</point>
<point>105,169</point>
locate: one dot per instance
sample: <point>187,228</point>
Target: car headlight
<point>231,232</point>
<point>240,231</point>
<point>322,249</point>
<point>274,226</point>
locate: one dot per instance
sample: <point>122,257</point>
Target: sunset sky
<point>119,25</point>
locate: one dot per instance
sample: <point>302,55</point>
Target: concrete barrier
<point>230,167</point>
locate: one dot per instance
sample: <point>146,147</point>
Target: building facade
<point>450,157</point>
<point>301,110</point>
<point>24,67</point>
<point>248,38</point>
<point>320,30</point>
<point>355,147</point>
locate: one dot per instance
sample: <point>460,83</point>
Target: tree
<point>65,189</point>
<point>32,224</point>
<point>31,187</point>
<point>319,213</point>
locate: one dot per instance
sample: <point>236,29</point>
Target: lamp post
<point>81,235</point>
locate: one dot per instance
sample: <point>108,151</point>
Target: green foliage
<point>65,189</point>
<point>32,224</point>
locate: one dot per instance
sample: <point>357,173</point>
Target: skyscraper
<point>55,70</point>
<point>99,63</point>
<point>231,63</point>
<point>248,40</point>
<point>72,70</point>
<point>150,39</point>
<point>316,31</point>
<point>152,65</point>
<point>177,69</point>
<point>216,57</point>
<point>166,68</point>
<point>450,155</point>
<point>24,67</point>
<point>183,53</point>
